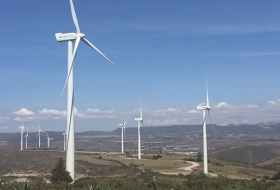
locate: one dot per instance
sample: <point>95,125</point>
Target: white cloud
<point>93,110</point>
<point>52,112</point>
<point>222,105</point>
<point>194,111</point>
<point>171,110</point>
<point>272,102</point>
<point>250,106</point>
<point>23,112</point>
<point>222,113</point>
<point>96,113</point>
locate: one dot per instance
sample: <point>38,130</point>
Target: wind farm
<point>161,51</point>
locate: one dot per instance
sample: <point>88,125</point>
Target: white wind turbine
<point>39,134</point>
<point>70,129</point>
<point>64,139</point>
<point>204,108</point>
<point>21,136</point>
<point>26,136</point>
<point>139,120</point>
<point>123,131</point>
<point>49,139</point>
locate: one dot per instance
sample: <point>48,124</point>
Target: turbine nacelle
<point>203,107</point>
<point>122,124</point>
<point>138,119</point>
<point>68,36</point>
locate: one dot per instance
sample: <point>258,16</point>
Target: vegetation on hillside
<point>194,181</point>
<point>241,154</point>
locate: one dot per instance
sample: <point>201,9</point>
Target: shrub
<point>60,174</point>
<point>156,157</point>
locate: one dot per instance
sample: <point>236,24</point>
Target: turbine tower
<point>39,134</point>
<point>204,108</point>
<point>64,138</point>
<point>123,131</point>
<point>139,120</point>
<point>21,136</point>
<point>70,128</point>
<point>26,136</point>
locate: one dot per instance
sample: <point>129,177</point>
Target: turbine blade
<point>212,123</point>
<point>68,130</point>
<point>143,127</point>
<point>74,16</point>
<point>95,48</point>
<point>124,130</point>
<point>140,111</point>
<point>39,126</point>
<point>207,93</point>
<point>72,63</point>
<point>142,123</point>
<point>204,120</point>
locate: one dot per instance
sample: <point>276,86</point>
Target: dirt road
<point>187,169</point>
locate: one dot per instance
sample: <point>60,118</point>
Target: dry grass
<point>238,171</point>
<point>95,160</point>
<point>271,161</point>
<point>162,165</point>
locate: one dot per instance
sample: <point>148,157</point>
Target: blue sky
<point>162,51</point>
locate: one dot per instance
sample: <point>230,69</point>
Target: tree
<point>59,173</point>
<point>276,176</point>
<point>199,157</point>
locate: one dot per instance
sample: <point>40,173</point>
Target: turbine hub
<point>81,35</point>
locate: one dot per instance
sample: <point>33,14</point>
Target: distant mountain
<point>270,128</point>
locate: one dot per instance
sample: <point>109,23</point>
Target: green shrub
<point>59,173</point>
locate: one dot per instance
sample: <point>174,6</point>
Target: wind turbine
<point>123,131</point>
<point>204,108</point>
<point>49,139</point>
<point>70,129</point>
<point>140,120</point>
<point>26,136</point>
<point>21,136</point>
<point>39,134</point>
<point>64,138</point>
